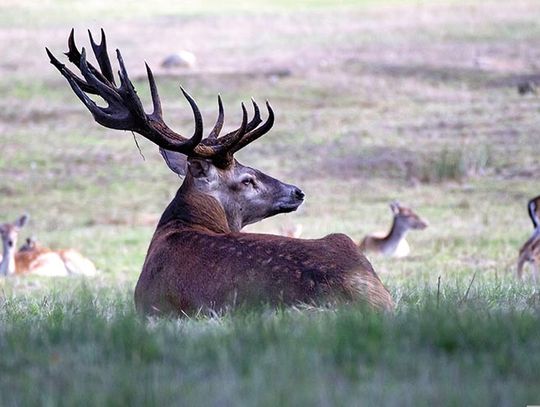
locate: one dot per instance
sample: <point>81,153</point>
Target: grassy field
<point>375,101</point>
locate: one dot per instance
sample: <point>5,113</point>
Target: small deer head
<point>9,232</point>
<point>407,217</point>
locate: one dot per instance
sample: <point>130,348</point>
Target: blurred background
<point>432,103</point>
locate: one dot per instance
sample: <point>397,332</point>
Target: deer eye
<point>248,181</point>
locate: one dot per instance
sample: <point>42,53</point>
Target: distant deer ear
<point>532,213</point>
<point>177,162</point>
<point>199,168</point>
<point>394,206</point>
<point>19,223</point>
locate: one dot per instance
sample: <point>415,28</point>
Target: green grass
<point>286,356</point>
<point>414,101</point>
<point>81,346</point>
<point>456,164</point>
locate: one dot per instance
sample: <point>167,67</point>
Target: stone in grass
<point>180,59</point>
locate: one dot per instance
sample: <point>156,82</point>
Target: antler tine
<point>96,111</point>
<point>102,56</point>
<point>198,132</point>
<point>108,93</point>
<point>73,53</point>
<point>156,102</point>
<point>74,56</point>
<point>153,126</point>
<point>256,117</point>
<point>253,123</point>
<point>257,132</point>
<point>226,144</point>
<point>100,115</point>
<point>127,90</point>
<point>80,83</point>
<point>219,122</point>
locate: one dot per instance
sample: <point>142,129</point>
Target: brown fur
<point>529,253</point>
<point>372,243</point>
<point>41,260</point>
<point>26,261</point>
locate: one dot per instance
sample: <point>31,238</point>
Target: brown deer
<point>530,251</point>
<point>393,243</point>
<point>198,258</point>
<point>35,259</point>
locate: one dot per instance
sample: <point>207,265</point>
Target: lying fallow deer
<point>35,259</point>
<point>198,258</point>
<point>530,251</point>
<point>393,243</point>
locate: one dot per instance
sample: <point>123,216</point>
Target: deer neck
<point>197,210</point>
<point>395,236</point>
<point>531,240</point>
<point>7,265</point>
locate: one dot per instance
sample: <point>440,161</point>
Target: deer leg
<point>535,272</point>
<point>521,263</point>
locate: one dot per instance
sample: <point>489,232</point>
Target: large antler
<point>124,110</point>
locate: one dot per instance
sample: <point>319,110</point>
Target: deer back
<point>238,268</point>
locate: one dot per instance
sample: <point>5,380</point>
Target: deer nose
<point>298,194</point>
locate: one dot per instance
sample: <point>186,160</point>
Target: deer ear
<point>199,168</point>
<point>532,213</point>
<point>177,162</point>
<point>394,206</point>
<point>19,223</point>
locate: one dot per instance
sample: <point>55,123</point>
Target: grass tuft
<point>452,164</point>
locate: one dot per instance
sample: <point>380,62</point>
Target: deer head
<point>9,232</point>
<point>406,217</point>
<point>245,195</point>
